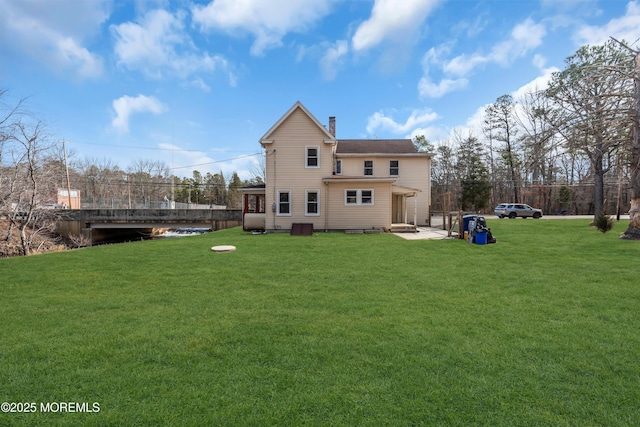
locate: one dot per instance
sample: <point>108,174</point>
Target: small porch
<point>253,208</point>
<point>400,215</point>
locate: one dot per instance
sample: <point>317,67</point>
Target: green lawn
<point>542,328</point>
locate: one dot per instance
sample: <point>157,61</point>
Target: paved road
<point>622,217</point>
<point>437,221</point>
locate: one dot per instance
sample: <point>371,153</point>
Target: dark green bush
<point>603,222</point>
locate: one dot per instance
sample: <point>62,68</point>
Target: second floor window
<point>313,160</point>
<point>338,167</point>
<point>368,167</point>
<point>394,167</point>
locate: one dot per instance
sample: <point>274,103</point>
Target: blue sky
<point>196,83</point>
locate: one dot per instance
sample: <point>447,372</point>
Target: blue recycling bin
<point>465,222</point>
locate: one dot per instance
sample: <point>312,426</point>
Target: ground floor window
<point>366,197</point>
<point>358,197</point>
<point>284,203</point>
<point>313,203</point>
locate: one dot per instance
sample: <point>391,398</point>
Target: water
<point>182,232</point>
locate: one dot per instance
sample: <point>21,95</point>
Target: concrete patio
<point>426,233</point>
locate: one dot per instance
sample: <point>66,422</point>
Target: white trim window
<point>368,167</point>
<point>312,203</point>
<point>354,197</point>
<point>338,166</point>
<point>312,156</point>
<point>284,203</point>
<point>366,197</point>
<point>394,167</point>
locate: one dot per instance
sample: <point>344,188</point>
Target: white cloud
<point>462,65</point>
<point>200,84</point>
<point>267,20</point>
<point>524,37</point>
<point>625,28</point>
<point>428,89</point>
<point>539,61</point>
<point>418,118</point>
<point>126,105</point>
<point>332,59</point>
<point>42,31</point>
<point>158,44</point>
<point>391,19</point>
<point>539,83</point>
<point>432,133</point>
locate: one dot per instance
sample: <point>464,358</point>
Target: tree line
<point>571,147</point>
<point>150,184</point>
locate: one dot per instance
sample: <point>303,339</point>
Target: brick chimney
<point>332,125</point>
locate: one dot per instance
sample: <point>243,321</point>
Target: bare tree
<point>99,180</point>
<point>591,111</point>
<point>501,125</point>
<point>538,136</point>
<point>633,230</point>
<point>258,170</point>
<point>147,180</point>
<point>30,183</point>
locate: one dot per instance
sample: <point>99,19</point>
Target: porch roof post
<point>404,207</point>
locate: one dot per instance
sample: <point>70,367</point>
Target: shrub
<point>603,222</point>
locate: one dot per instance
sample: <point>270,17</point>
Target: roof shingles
<point>371,146</point>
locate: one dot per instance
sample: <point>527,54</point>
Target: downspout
<point>326,207</point>
<point>275,193</point>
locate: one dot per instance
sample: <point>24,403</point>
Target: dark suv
<point>514,210</point>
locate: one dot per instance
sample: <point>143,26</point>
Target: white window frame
<point>358,196</point>
<point>307,157</point>
<point>362,197</point>
<point>346,197</point>
<point>289,202</point>
<point>391,168</point>
<point>306,203</point>
<point>364,172</point>
<point>338,166</point>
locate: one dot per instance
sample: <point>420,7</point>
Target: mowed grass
<point>542,328</point>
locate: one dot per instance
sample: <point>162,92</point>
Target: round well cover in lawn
<point>223,248</point>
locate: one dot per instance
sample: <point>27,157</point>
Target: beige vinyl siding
<point>414,172</point>
<point>343,217</point>
<point>354,166</point>
<point>286,170</point>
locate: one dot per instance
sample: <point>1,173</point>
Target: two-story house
<point>352,184</point>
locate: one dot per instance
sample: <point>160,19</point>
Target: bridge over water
<point>101,225</point>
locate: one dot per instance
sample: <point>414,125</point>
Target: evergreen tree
<point>474,175</point>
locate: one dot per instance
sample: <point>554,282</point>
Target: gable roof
<point>375,146</point>
<point>298,105</point>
